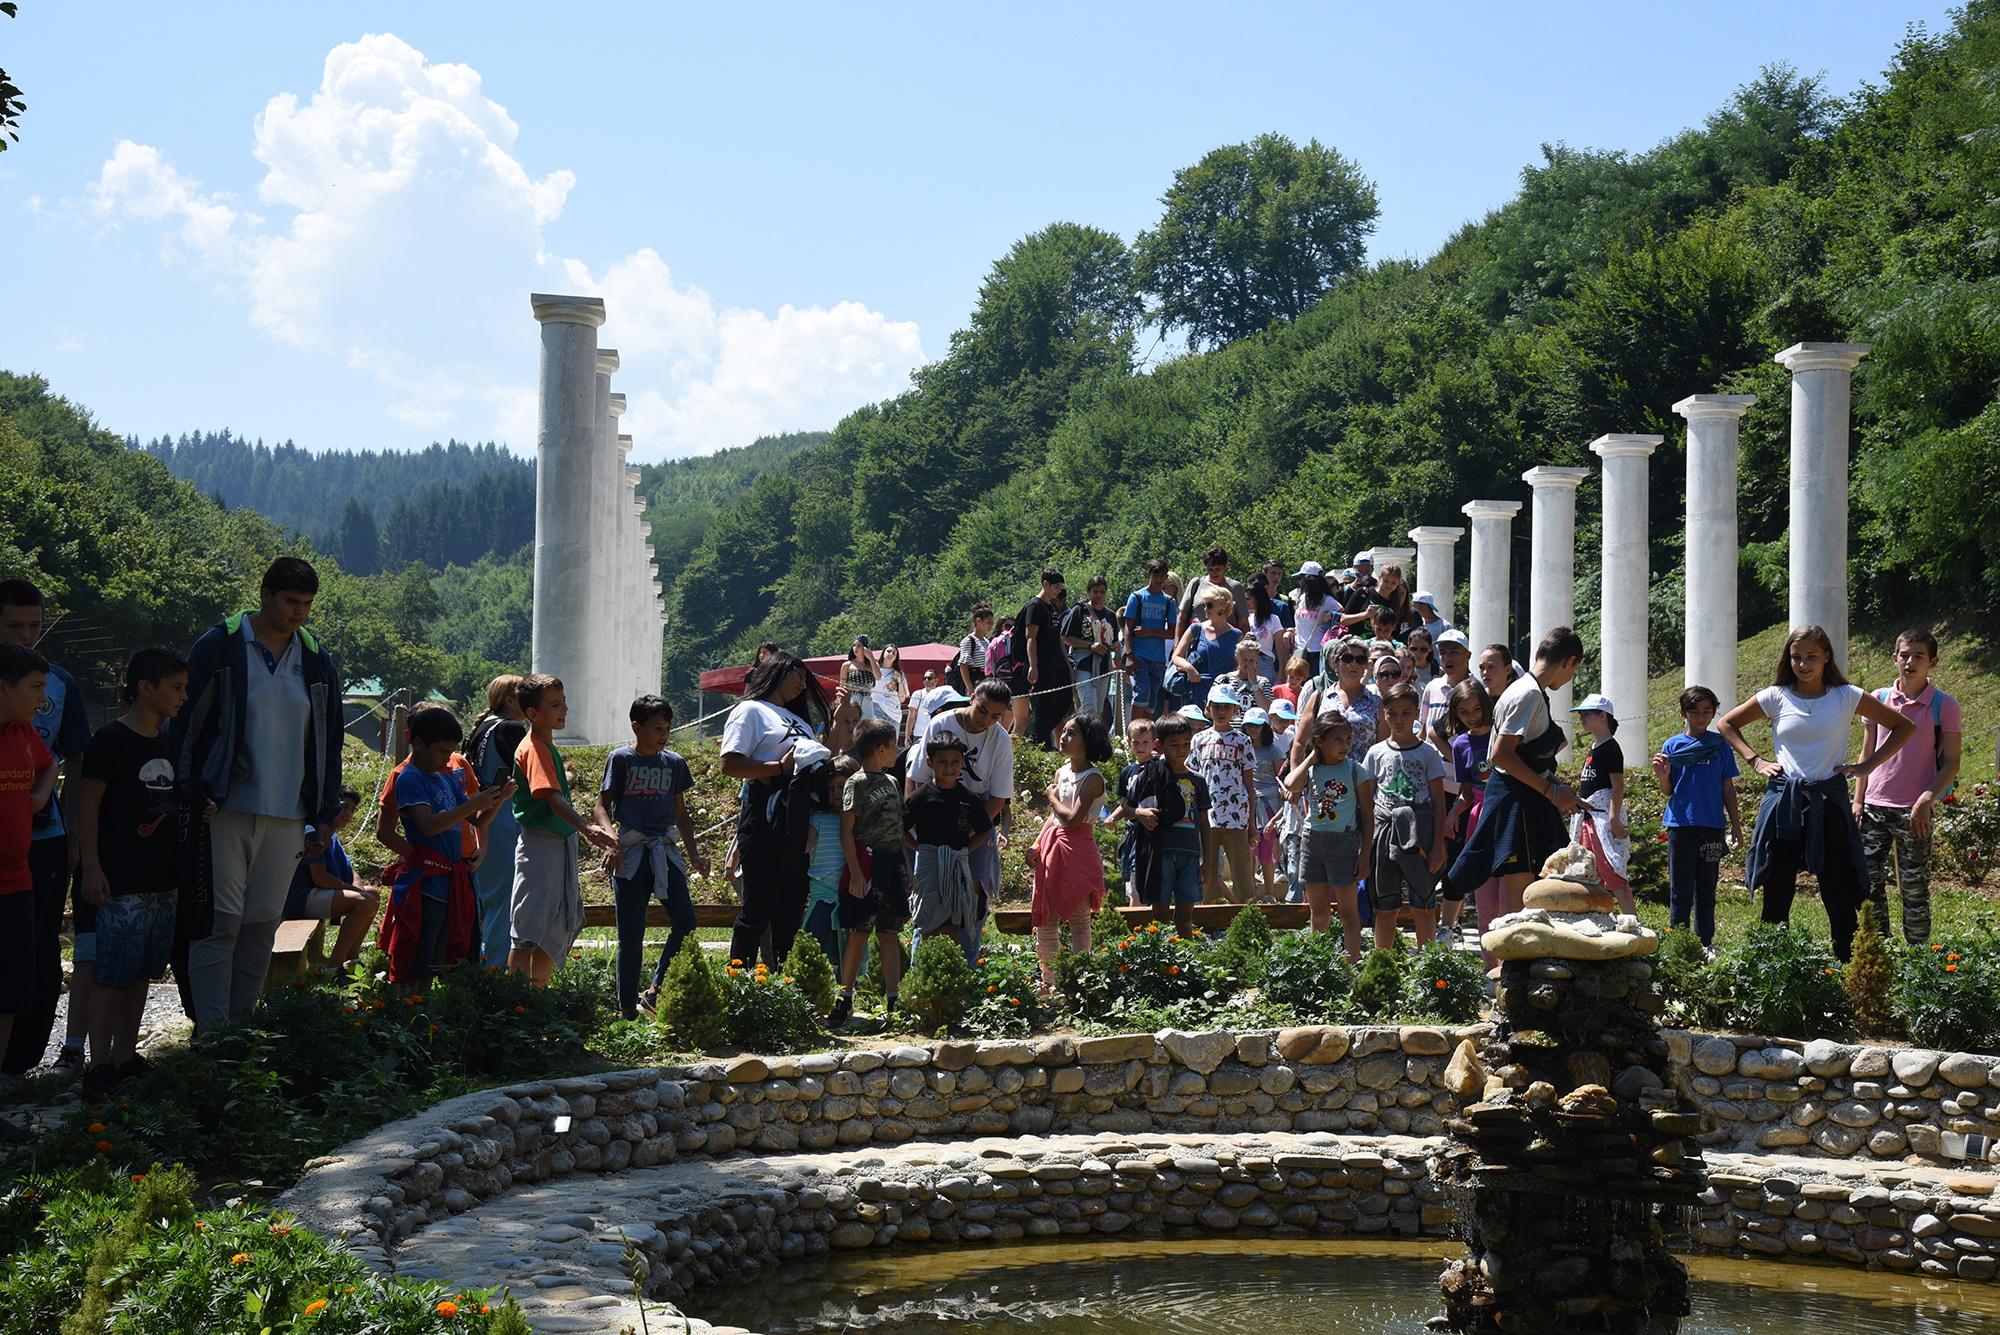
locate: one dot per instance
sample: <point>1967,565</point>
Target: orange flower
<point>315,1307</point>
<point>1936,946</point>
<point>447,1309</point>
<point>241,1258</point>
<point>200,1225</point>
<point>95,1128</point>
<point>1442,985</point>
<point>991,988</point>
<point>1013,1001</point>
<point>433,1029</point>
<point>1953,957</point>
<point>1173,970</point>
<point>485,1309</point>
<point>1123,944</point>
<point>138,1177</point>
<point>1124,968</point>
<point>104,1147</point>
<point>520,1010</point>
<point>737,962</point>
<point>1152,927</point>
<point>1951,968</point>
<point>1832,971</point>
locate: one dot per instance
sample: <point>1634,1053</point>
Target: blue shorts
<point>1180,879</point>
<point>135,938</point>
<point>1149,680</point>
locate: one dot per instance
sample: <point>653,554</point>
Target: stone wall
<point>1823,1099</point>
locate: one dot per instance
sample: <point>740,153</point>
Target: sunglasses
<point>1352,658</point>
<point>1389,672</point>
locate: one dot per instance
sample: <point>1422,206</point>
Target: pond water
<point>1265,1287</point>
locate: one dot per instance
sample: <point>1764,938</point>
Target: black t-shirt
<point>138,823</point>
<point>1051,654</point>
<point>1606,758</point>
<point>1081,624</point>
<point>948,816</point>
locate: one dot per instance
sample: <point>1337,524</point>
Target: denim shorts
<point>1180,879</point>
<point>1149,679</point>
<point>135,937</point>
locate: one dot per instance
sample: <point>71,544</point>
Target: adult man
<point>921,700</point>
<point>1215,563</point>
<point>1041,664</point>
<point>262,732</point>
<point>989,770</point>
<point>63,723</point>
<point>1425,606</point>
<point>1148,629</point>
<point>1281,602</point>
<point>1454,654</point>
<point>1089,632</point>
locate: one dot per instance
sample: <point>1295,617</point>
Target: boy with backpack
<point>1895,805</point>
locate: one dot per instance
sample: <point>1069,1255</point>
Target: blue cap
<point>1284,709</point>
<point>1254,717</point>
<point>1193,714</point>
<point>1222,695</point>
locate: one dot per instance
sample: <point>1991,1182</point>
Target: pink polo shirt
<point>1906,776</point>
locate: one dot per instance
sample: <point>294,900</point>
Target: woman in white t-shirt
<point>1805,821</point>
<point>1315,613</point>
<point>892,688</point>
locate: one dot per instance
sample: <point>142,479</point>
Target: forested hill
<point>683,495</point>
<point>1611,286</point>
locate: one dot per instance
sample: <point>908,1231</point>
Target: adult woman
<point>1391,592</point>
<point>1207,648</point>
<point>1318,612</point>
<point>1274,642</point>
<point>768,743</point>
<point>1805,820</point>
<point>1521,819</point>
<point>1388,671</point>
<point>859,673</point>
<point>892,689</point>
<point>1422,661</point>
<point>1340,688</point>
<point>1496,670</point>
<point>496,736</point>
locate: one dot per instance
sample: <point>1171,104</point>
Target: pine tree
<point>360,544</point>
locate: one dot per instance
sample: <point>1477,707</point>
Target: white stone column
<point>636,579</point>
<point>1492,565</point>
<point>1623,611</point>
<point>1552,564</point>
<point>1437,566</point>
<point>1710,619</point>
<point>1822,379</point>
<point>1406,557</point>
<point>565,491</point>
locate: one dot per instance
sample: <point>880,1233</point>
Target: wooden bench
<point>300,944</point>
<point>1208,917</point>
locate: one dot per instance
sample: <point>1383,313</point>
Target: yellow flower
<point>241,1258</point>
<point>315,1307</point>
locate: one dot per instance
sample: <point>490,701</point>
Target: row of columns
<point>597,616</point>
<point>1821,397</point>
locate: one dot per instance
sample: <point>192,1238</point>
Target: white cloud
<point>405,236</point>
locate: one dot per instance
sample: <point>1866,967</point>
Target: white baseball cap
<point>1367,555</point>
<point>1308,568</point>
<point>1453,636</point>
<point>1427,599</point>
<point>1594,703</point>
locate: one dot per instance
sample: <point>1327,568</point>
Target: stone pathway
<point>162,1023</point>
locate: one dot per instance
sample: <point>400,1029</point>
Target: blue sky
<point>322,222</point>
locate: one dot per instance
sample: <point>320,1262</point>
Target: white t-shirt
<point>762,732</point>
<point>989,756</point>
<point>1811,735</point>
<point>1404,776</point>
<point>1310,625</point>
<point>1267,632</point>
<point>1521,711</point>
<point>921,701</point>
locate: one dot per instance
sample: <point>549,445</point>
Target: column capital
<point>1388,556</point>
<point>607,361</point>
<point>1821,356</point>
<point>1424,533</point>
<point>553,308</point>
<point>632,475</point>
<point>624,446</point>
<point>1549,475</point>
<point>617,396</point>
<point>1618,446</point>
<point>1700,407</point>
<point>1490,509</point>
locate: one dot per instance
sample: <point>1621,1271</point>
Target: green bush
<point>1968,832</point>
<point>767,1012</point>
<point>1240,957</point>
<point>1784,980</point>
<point>810,970</point>
<point>1147,969</point>
<point>690,1009</point>
<point>1948,995</point>
<point>1440,983</point>
<point>940,986</point>
<point>1108,924</point>
<point>1694,989</point>
<point>1378,985</point>
<point>1008,1001</point>
<point>1870,980</point>
<point>1307,974</point>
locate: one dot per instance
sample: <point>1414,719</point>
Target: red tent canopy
<point>915,660</point>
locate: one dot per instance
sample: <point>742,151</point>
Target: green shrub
<point>1240,956</point>
<point>1378,985</point>
<point>1869,981</point>
<point>1145,970</point>
<point>1968,832</point>
<point>810,970</point>
<point>1694,989</point>
<point>1108,924</point>
<point>1008,1001</point>
<point>1948,995</point>
<point>1784,980</point>
<point>767,1012</point>
<point>690,1009</point>
<point>1444,984</point>
<point>940,986</point>
<point>1307,974</point>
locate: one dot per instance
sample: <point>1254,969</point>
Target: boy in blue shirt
<point>433,913</point>
<point>324,888</point>
<point>1148,626</point>
<point>644,790</point>
<point>1697,771</point>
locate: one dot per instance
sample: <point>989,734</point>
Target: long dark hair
<point>1314,590</point>
<point>1261,605</point>
<point>764,680</point>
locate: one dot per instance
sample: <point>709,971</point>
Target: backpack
<point>1000,656</point>
<point>1937,724</point>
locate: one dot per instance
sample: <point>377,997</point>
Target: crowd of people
<point>1336,743</point>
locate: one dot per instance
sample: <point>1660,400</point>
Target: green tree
<point>1254,233</point>
<point>360,545</point>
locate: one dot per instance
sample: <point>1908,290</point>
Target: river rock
<point>1463,1074</point>
<point>1198,1052</point>
<point>1965,1070</point>
<point>1538,934</point>
<point>1915,1067</point>
<point>1568,897</point>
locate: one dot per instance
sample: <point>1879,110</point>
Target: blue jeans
<point>493,887</point>
<point>1180,879</point>
<point>632,897</point>
<point>1093,696</point>
<point>822,927</point>
<point>1149,682</point>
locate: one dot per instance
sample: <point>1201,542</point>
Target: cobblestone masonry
<point>721,1165</point>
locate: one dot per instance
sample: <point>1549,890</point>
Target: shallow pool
<point>1210,1287</point>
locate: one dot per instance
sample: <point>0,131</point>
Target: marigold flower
<point>138,1177</point>
<point>104,1147</point>
<point>94,1128</point>
<point>315,1307</point>
<point>1173,970</point>
<point>982,959</point>
<point>1832,971</point>
<point>1013,1001</point>
<point>200,1225</point>
<point>447,1309</point>
<point>1951,968</point>
<point>1953,956</point>
<point>1442,985</point>
<point>1936,947</point>
<point>1153,927</point>
<point>485,1309</point>
<point>520,1010</point>
<point>241,1258</point>
<point>1124,968</point>
<point>991,988</point>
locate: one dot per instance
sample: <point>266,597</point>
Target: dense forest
<point>1611,286</point>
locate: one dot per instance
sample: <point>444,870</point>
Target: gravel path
<point>163,1022</point>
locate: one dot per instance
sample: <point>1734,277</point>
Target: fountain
<point>1571,1171</point>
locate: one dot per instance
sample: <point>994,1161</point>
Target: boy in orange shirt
<point>547,905</point>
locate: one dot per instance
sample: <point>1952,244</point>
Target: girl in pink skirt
<point>1068,869</point>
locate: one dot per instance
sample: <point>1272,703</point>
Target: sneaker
<point>68,1061</point>
<point>843,1010</point>
<point>649,999</point>
<point>12,1133</point>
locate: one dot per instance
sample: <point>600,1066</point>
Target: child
<point>1409,821</point>
<point>1298,672</point>
<point>1169,806</point>
<point>1068,869</point>
<point>323,888</point>
<point>1470,716</point>
<point>826,864</point>
<point>27,782</point>
<point>1267,754</point>
<point>1139,741</point>
<point>546,908</point>
<point>878,894</point>
<point>644,792</point>
<point>1223,758</point>
<point>1696,772</point>
<point>1339,801</point>
<point>1600,826</point>
<point>1895,807</point>
<point>128,827</point>
<point>944,821</point>
<point>433,917</point>
<point>388,824</point>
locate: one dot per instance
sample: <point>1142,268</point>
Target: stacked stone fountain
<point>1573,1167</point>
